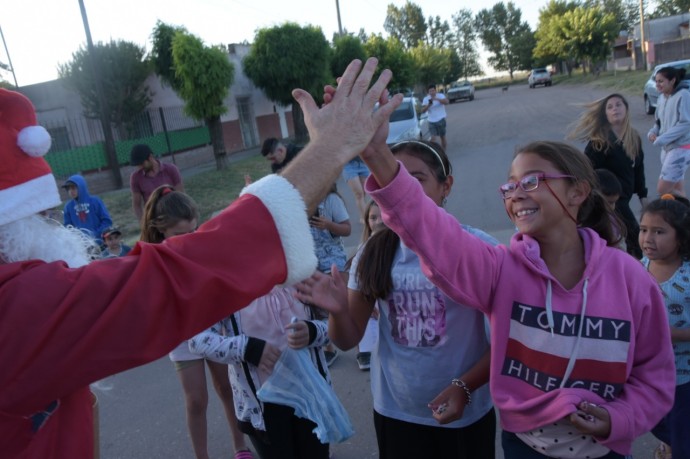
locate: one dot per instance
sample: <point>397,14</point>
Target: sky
<point>41,34</point>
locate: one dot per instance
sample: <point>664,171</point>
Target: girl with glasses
<point>430,364</point>
<point>581,360</point>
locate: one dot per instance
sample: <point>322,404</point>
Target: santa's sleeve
<point>63,328</point>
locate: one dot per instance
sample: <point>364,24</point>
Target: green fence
<point>80,159</point>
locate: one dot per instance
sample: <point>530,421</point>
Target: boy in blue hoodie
<point>86,212</point>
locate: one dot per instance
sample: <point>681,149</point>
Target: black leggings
<point>286,435</point>
<point>401,440</point>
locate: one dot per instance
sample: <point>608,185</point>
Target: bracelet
<point>461,384</point>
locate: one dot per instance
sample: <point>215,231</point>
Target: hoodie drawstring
<point>573,354</point>
<point>549,310</point>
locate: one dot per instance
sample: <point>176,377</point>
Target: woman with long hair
<point>613,144</point>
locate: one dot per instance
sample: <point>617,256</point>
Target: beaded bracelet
<point>461,384</point>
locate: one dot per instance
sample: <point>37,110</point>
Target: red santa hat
<point>27,185</point>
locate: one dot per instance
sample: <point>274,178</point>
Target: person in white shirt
<point>435,103</point>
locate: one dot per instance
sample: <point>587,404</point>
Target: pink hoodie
<point>605,341</point>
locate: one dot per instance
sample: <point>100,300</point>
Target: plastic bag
<point>295,382</point>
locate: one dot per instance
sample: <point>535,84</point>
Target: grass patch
<point>626,82</point>
<point>212,190</point>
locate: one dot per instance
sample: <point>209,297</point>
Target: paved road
<point>142,414</point>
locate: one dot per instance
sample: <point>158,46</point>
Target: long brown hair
<point>376,261</point>
<point>593,126</point>
<point>594,212</point>
<point>165,208</point>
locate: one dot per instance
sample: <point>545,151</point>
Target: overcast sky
<point>40,34</point>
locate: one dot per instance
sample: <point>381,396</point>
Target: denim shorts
<point>438,128</point>
<point>355,168</point>
<point>674,163</point>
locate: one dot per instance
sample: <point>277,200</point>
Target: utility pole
<point>9,59</point>
<point>340,25</point>
<point>642,38</point>
<point>110,152</point>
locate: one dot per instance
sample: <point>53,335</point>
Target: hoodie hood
<point>527,248</point>
<point>82,188</point>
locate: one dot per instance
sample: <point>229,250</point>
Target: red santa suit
<point>63,328</point>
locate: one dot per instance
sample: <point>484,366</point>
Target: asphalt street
<point>142,410</point>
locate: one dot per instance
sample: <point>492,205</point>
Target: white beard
<point>39,238</point>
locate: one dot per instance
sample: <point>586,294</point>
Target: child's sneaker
<point>364,360</point>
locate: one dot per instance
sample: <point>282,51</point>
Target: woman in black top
<point>613,144</point>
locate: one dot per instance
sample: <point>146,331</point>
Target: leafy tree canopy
<point>346,48</point>
<point>502,31</point>
<point>392,55</point>
<point>123,70</point>
<point>406,24</point>
<point>161,54</point>
<point>205,74</point>
<point>670,7</point>
<point>465,39</point>
<point>286,57</point>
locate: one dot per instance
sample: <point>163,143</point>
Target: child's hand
<point>269,357</point>
<point>449,405</point>
<point>592,419</point>
<point>297,334</point>
<point>327,292</point>
<point>247,179</point>
<point>319,222</point>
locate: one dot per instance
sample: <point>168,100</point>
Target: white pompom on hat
<point>27,185</point>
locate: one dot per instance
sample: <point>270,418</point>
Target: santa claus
<point>65,324</point>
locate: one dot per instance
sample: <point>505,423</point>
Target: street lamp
<point>642,38</point>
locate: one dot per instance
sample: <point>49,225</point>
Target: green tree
<point>670,7</point>
<point>465,36</point>
<point>501,29</point>
<point>392,55</point>
<point>626,12</point>
<point>206,75</point>
<point>588,34</point>
<point>439,34</point>
<point>432,64</point>
<point>406,24</point>
<point>346,48</point>
<point>455,68</point>
<point>550,44</point>
<point>286,57</point>
<point>123,68</point>
<point>161,54</point>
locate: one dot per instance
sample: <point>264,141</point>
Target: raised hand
<point>327,292</point>
<point>348,120</point>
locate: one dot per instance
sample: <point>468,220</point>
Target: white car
<point>459,91</point>
<point>406,123</point>
<point>539,76</point>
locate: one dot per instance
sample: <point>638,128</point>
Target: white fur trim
<point>289,212</point>
<point>34,140</point>
<point>28,198</point>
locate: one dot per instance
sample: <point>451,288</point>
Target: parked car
<point>457,91</point>
<point>406,123</point>
<point>650,93</point>
<point>539,76</point>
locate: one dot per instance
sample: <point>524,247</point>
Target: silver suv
<point>539,76</point>
<point>650,93</point>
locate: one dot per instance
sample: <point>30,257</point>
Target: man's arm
<point>339,130</point>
